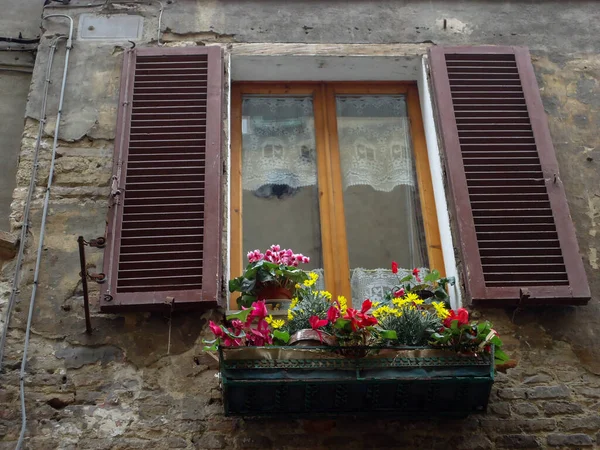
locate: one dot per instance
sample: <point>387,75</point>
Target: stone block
<point>501,409</point>
<point>525,409</point>
<point>580,423</point>
<point>570,440</point>
<point>501,426</point>
<point>476,442</point>
<point>251,441</point>
<point>558,391</point>
<point>538,379</point>
<point>512,393</point>
<point>556,408</point>
<point>518,441</point>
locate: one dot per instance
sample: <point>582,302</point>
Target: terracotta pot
<point>310,338</point>
<point>274,293</point>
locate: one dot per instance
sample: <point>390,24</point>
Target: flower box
<point>312,381</point>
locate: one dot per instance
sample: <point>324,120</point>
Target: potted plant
<point>273,274</point>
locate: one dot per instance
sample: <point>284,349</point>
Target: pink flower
<point>394,267</point>
<point>305,259</point>
<point>259,310</point>
<point>275,247</point>
<point>216,329</point>
<point>237,324</point>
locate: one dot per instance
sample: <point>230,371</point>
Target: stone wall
<point>141,380</point>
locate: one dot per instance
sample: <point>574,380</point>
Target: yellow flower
<point>411,296</point>
<point>269,319</point>
<point>385,311</point>
<point>277,323</point>
<point>290,315</point>
<point>325,294</point>
<point>297,286</point>
<point>375,304</point>
<point>313,277</point>
<point>343,304</point>
<point>294,302</point>
<point>440,309</point>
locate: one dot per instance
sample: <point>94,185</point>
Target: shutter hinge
<point>524,295</point>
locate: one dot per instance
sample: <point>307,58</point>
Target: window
<point>338,171</point>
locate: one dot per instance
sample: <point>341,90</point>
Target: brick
<point>555,408</point>
<point>581,423</point>
<point>558,391</point>
<point>570,440</point>
<point>512,393</point>
<point>518,441</point>
<point>524,409</point>
<point>501,409</point>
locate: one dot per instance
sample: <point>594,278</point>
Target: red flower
<point>399,293</point>
<point>394,267</point>
<point>461,315</point>
<point>333,314</point>
<point>315,322</point>
<point>366,306</point>
<point>416,274</point>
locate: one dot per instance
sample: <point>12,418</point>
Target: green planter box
<point>313,381</point>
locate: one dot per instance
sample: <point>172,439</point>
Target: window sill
<point>317,381</point>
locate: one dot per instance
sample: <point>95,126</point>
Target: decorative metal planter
<point>311,381</point>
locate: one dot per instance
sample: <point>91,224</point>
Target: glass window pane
<point>381,201</point>
<point>279,176</point>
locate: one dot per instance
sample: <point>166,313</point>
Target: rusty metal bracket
<point>99,242</point>
<point>86,300</point>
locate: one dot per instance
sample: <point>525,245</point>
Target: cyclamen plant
<point>429,285</point>
<point>249,327</point>
<point>462,336</point>
<point>275,268</point>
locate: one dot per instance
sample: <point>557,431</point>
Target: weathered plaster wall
<point>123,387</point>
<point>17,16</point>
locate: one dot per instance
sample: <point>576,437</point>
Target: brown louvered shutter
<point>164,224</point>
<point>517,239</point>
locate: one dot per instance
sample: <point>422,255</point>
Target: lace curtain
<point>370,283</point>
<point>279,144</point>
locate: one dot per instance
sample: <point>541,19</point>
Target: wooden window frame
<point>331,202</point>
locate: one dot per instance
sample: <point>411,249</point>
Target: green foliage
<point>310,303</point>
<point>261,274</point>
<point>413,327</point>
<point>470,338</point>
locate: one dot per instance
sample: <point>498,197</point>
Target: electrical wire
<point>27,207</point>
<point>43,230</point>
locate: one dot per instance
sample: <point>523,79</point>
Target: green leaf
<point>211,348</point>
<point>496,341</point>
<point>341,323</point>
<point>432,276</point>
<point>406,278</point>
<point>283,336</point>
<point>231,335</point>
<point>235,284</point>
<point>454,325</point>
<point>241,315</point>
<point>247,285</point>
<point>500,356</point>
<point>389,334</point>
<point>481,328</point>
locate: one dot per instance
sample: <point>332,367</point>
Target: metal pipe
<point>86,300</point>
<point>27,206</point>
<point>43,228</point>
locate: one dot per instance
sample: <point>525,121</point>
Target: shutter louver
<point>518,243</point>
<point>164,233</point>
